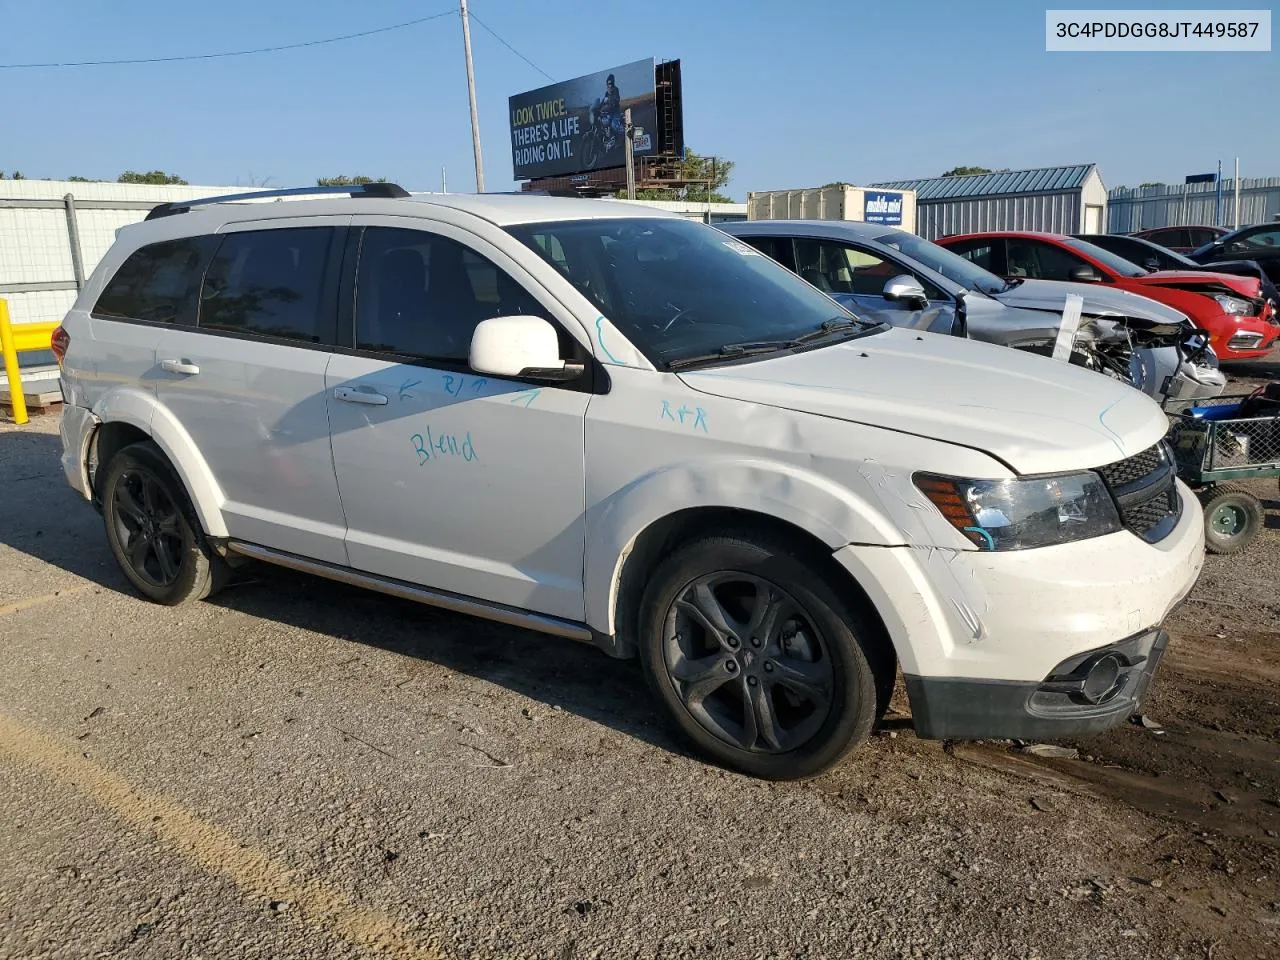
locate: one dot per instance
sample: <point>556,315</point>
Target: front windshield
<point>678,289</point>
<point>946,262</point>
<point>1114,262</point>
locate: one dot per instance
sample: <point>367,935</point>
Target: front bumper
<point>1079,697</point>
<point>979,633</point>
<point>1242,338</point>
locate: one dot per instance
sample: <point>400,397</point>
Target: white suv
<point>604,422</point>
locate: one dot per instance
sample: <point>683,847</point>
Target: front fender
<point>142,410</point>
<point>831,513</point>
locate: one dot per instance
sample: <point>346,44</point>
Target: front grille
<point>1132,468</point>
<point>1142,518</point>
<point>1145,493</point>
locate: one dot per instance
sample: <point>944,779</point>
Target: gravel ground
<point>297,769</point>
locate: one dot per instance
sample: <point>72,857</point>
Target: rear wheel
<point>756,659</point>
<point>1232,518</point>
<point>153,530</point>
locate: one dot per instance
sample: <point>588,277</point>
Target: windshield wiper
<point>731,351</point>
<point>834,325</point>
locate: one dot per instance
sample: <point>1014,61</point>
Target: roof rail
<point>388,190</point>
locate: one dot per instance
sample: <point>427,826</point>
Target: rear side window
<point>158,283</point>
<point>268,282</point>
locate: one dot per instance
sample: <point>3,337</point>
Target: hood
<point>1200,281</point>
<point>1035,414</point>
<point>1098,301</point>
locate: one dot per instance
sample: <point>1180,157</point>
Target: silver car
<point>890,275</point>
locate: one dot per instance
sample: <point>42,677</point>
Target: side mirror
<point>1151,263</point>
<point>520,347</point>
<point>905,288</point>
<point>1084,274</point>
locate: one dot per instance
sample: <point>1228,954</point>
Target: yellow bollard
<point>17,400</point>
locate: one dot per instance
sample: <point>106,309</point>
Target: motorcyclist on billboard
<point>609,111</point>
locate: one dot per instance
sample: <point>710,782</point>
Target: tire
<point>815,679</point>
<point>590,150</point>
<point>1232,518</point>
<point>153,530</point>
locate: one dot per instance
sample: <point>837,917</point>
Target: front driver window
<point>421,295</point>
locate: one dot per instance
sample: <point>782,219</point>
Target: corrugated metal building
<point>1192,204</point>
<point>1069,199</point>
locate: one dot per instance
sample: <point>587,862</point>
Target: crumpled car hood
<point>1098,301</point>
<point>1035,414</point>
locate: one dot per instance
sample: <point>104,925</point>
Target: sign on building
<point>883,207</point>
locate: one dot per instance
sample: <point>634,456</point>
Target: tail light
<point>59,343</point>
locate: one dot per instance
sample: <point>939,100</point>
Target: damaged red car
<point>1241,323</point>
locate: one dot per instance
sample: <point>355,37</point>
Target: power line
<point>495,36</point>
<point>237,53</point>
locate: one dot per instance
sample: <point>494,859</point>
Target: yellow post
<point>17,399</point>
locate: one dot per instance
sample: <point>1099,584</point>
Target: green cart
<point>1221,441</point>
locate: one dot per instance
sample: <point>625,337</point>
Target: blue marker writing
<point>700,420</point>
<point>404,389</point>
<point>666,413</point>
<point>526,397</point>
<point>600,340</point>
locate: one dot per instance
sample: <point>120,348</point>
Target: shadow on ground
<point>42,517</point>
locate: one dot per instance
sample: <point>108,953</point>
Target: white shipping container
<point>896,208</point>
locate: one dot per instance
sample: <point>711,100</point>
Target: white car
<point>608,423</point>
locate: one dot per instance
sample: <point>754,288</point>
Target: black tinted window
<point>268,282</point>
<point>419,294</point>
<point>157,283</point>
<point>1040,261</point>
<point>976,251</point>
<point>1199,237</point>
<point>779,248</point>
<point>1169,238</point>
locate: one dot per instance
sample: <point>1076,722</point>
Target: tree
<point>345,181</point>
<point>17,175</point>
<point>966,171</point>
<point>81,180</point>
<point>152,177</point>
<point>704,176</point>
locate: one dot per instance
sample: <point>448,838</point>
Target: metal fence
<point>1191,204</point>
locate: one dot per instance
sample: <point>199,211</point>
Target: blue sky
<point>797,93</point>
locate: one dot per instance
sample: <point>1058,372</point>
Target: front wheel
<point>590,150</point>
<point>153,530</point>
<point>1232,518</point>
<point>756,659</point>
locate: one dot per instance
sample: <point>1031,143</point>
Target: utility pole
<point>1217,200</point>
<point>471,94</point>
<point>444,180</point>
<point>627,145</point>
<point>1236,225</point>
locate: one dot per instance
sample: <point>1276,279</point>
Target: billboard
<point>883,206</point>
<point>576,126</point>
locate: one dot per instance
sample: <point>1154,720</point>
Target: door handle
<point>184,367</point>
<point>356,395</point>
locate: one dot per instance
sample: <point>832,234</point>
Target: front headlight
<point>1232,305</point>
<point>1021,514</point>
